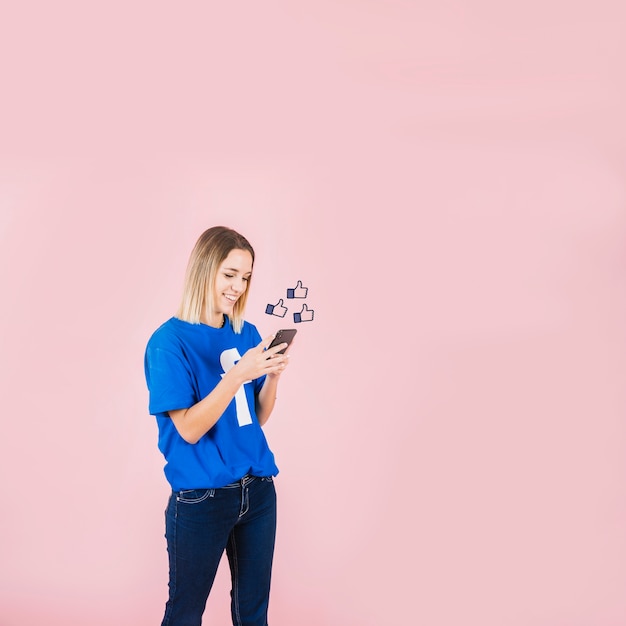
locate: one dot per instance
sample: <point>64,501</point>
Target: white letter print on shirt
<point>228,358</point>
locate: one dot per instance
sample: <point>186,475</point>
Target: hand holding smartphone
<point>284,335</point>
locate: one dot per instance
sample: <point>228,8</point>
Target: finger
<point>271,352</point>
<point>278,368</point>
<point>264,343</point>
<point>273,360</point>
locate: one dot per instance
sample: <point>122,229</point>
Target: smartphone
<point>285,335</point>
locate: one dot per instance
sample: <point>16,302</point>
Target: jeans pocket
<point>269,479</point>
<point>194,496</point>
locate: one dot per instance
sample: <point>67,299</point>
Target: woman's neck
<point>216,321</point>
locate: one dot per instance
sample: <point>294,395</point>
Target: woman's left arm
<point>267,396</point>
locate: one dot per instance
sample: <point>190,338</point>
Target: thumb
<point>266,342</point>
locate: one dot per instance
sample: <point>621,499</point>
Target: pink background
<point>447,179</point>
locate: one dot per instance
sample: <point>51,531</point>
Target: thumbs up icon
<point>305,315</point>
<point>298,291</point>
<point>276,309</point>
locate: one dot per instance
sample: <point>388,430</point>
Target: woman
<point>212,385</point>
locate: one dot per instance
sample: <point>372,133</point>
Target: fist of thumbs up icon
<point>306,315</point>
<point>276,309</point>
<point>298,291</point>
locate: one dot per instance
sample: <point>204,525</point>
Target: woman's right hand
<point>259,361</point>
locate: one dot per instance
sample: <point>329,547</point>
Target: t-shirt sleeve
<point>169,378</point>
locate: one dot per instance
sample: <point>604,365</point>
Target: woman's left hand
<point>282,362</point>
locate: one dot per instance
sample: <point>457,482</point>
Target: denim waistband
<point>244,480</point>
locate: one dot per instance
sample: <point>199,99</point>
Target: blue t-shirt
<point>183,364</point>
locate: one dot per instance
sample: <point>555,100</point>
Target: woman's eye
<point>246,279</point>
<point>228,275</point>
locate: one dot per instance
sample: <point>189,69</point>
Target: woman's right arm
<point>197,420</point>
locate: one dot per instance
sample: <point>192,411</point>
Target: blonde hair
<point>211,249</point>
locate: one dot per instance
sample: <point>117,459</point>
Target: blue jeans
<point>199,525</point>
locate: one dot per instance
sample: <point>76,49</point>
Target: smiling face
<point>215,281</point>
<point>231,282</point>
